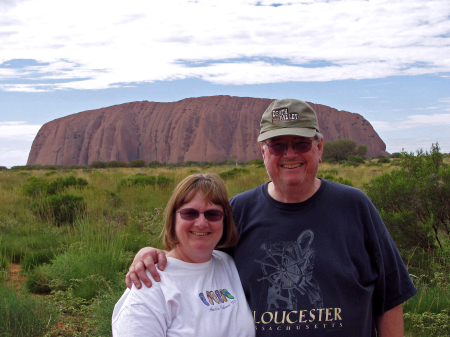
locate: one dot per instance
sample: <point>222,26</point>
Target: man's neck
<point>293,194</point>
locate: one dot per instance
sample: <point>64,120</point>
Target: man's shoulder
<point>342,189</point>
<point>247,194</point>
<point>344,195</point>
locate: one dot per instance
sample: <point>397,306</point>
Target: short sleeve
<point>394,285</point>
<point>140,313</point>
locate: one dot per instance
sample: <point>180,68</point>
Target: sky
<point>388,61</point>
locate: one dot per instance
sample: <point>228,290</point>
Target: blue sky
<point>386,60</point>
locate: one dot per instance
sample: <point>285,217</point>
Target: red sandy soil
<point>15,277</point>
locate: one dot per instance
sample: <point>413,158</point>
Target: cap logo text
<point>282,115</point>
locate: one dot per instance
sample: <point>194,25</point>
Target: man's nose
<point>289,152</point>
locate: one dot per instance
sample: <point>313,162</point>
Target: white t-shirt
<point>192,299</point>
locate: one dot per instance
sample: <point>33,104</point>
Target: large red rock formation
<point>194,129</point>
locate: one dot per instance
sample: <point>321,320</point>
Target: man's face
<point>292,168</point>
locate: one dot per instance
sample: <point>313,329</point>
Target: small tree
<point>98,164</point>
<point>338,150</point>
<point>137,163</point>
<point>414,201</point>
<point>361,151</point>
<point>116,163</point>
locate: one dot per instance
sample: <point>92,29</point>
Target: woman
<point>200,293</point>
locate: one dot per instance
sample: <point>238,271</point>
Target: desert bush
<point>50,173</point>
<point>116,163</point>
<point>35,187</point>
<point>103,306</point>
<point>60,208</point>
<point>233,172</point>
<point>21,315</point>
<point>60,184</point>
<point>97,164</point>
<point>36,257</point>
<point>356,159</point>
<point>341,149</point>
<point>419,193</point>
<point>339,180</point>
<point>4,261</point>
<point>37,280</point>
<point>383,161</point>
<point>164,181</point>
<point>85,268</point>
<point>137,163</point>
<point>137,180</point>
<point>155,164</point>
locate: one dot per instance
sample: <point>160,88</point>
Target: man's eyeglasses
<point>190,214</point>
<point>280,147</point>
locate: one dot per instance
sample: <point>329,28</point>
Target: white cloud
<point>91,45</point>
<point>13,157</point>
<point>414,144</point>
<point>412,122</point>
<point>20,131</point>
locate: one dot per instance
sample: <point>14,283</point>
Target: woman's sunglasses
<point>192,214</point>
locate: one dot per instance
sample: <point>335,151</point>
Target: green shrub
<point>233,172</point>
<point>36,258</point>
<point>116,163</point>
<point>86,269</point>
<point>3,168</point>
<point>257,162</point>
<point>137,163</point>
<point>60,184</point>
<point>22,315</point>
<point>383,161</point>
<point>60,208</point>
<point>37,280</point>
<point>428,324</point>
<point>35,187</point>
<point>418,193</point>
<point>155,164</point>
<point>164,181</point>
<point>4,261</point>
<point>98,164</point>
<point>340,180</point>
<point>338,150</point>
<point>356,159</point>
<point>137,180</point>
<point>50,173</point>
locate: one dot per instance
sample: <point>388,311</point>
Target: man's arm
<point>390,324</point>
<point>146,258</point>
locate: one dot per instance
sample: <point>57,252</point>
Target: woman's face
<point>198,237</point>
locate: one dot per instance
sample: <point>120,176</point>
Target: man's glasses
<point>190,214</point>
<point>280,147</point>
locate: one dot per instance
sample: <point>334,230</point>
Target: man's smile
<point>291,166</point>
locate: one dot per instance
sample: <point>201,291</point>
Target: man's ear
<point>263,152</point>
<point>320,148</point>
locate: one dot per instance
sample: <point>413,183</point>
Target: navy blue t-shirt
<point>323,267</point>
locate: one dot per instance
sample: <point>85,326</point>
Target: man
<point>314,257</point>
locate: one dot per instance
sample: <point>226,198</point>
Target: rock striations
<point>194,129</point>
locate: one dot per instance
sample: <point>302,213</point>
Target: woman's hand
<point>146,258</point>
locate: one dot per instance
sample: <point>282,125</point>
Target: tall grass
<point>23,316</point>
